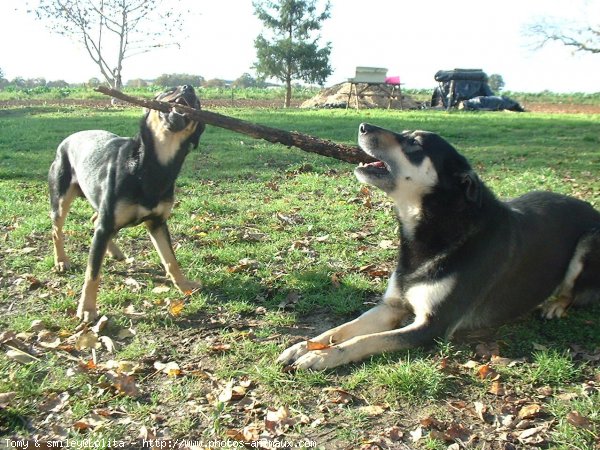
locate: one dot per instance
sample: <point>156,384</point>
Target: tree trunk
<point>288,92</point>
<point>312,144</point>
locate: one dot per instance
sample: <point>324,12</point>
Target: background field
<point>287,244</point>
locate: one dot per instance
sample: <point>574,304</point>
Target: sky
<point>411,38</point>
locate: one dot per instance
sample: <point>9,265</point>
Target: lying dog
<point>467,260</point>
<point>127,181</point>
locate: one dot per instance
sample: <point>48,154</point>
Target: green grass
<point>231,196</point>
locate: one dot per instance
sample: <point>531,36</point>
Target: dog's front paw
<point>188,286</point>
<point>62,266</point>
<point>321,359</point>
<point>292,353</point>
<point>87,315</point>
<point>555,308</point>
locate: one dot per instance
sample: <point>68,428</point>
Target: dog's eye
<point>413,145</point>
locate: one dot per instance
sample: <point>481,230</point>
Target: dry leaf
<point>497,388</point>
<point>126,333</point>
<point>100,325</point>
<point>416,434</point>
<point>124,384</point>
<point>6,398</point>
<point>90,422</point>
<point>372,410</point>
<point>279,421</point>
<point>579,421</point>
<point>529,411</point>
<point>87,340</point>
<point>20,357</point>
<point>108,343</point>
<point>485,371</point>
<point>176,306</point>
<point>161,289</point>
<point>54,402</point>
<point>48,339</point>
<point>220,348</point>
<point>310,346</point>
<point>395,433</point>
<point>171,368</point>
<point>480,410</point>
<point>339,396</point>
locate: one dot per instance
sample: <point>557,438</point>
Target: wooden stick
<point>308,143</point>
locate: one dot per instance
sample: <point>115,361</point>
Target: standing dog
<point>467,260</point>
<point>127,181</point>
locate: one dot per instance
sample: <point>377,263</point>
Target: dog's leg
<point>382,317</point>
<point>86,310</point>
<point>61,204</point>
<point>112,249</point>
<point>159,234</point>
<point>420,332</point>
<point>580,284</point>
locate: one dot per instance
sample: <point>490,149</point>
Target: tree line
<point>164,80</point>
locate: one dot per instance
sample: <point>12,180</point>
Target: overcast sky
<point>412,39</point>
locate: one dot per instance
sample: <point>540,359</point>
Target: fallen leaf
<point>497,388</point>
<point>485,371</point>
<point>100,325</point>
<point>220,348</point>
<point>87,340</point>
<point>108,343</point>
<point>161,289</point>
<point>126,333</point>
<point>133,284</point>
<point>21,357</point>
<point>416,434</point>
<point>6,336</point>
<point>48,339</point>
<point>339,396</point>
<point>37,325</point>
<point>395,433</point>
<point>310,346</point>
<point>579,421</point>
<point>6,398</point>
<point>171,368</point>
<point>278,421</point>
<point>90,422</point>
<point>124,384</point>
<point>176,307</point>
<point>130,311</point>
<point>532,435</point>
<point>529,411</point>
<point>388,244</point>
<point>54,402</point>
<point>372,410</point>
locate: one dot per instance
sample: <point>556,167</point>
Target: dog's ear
<point>471,185</point>
<point>195,137</point>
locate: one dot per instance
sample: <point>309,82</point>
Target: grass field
<point>287,244</point>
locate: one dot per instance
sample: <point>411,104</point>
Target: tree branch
<point>312,144</point>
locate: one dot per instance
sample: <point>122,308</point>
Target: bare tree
<point>581,38</point>
<point>113,30</point>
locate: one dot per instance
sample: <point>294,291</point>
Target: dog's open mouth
<point>181,101</point>
<point>376,168</point>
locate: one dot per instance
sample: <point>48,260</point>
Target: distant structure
<point>468,89</point>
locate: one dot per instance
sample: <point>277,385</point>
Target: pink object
<point>392,80</point>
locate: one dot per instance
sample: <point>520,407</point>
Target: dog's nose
<point>365,128</point>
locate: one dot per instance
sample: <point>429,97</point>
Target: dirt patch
<point>561,108</point>
<point>339,95</point>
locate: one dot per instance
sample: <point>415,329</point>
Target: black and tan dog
<point>128,181</point>
<point>467,260</point>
